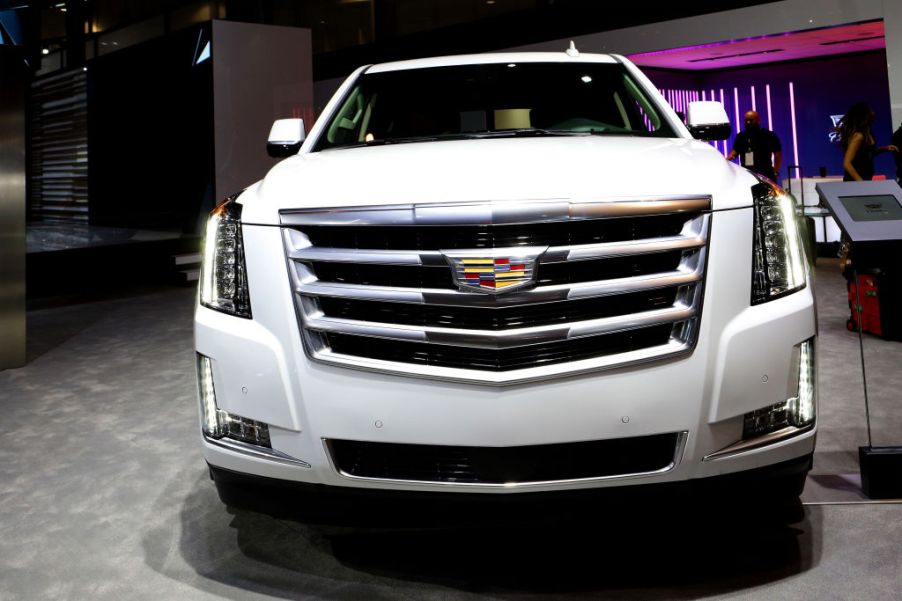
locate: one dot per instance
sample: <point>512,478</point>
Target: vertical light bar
<point>754,106</point>
<point>213,423</point>
<point>704,95</point>
<point>770,119</point>
<point>792,112</point>
<point>723,102</point>
<point>736,109</point>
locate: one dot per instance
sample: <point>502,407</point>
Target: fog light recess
<point>796,412</point>
<point>218,424</point>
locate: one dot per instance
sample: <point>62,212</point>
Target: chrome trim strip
<point>673,350</point>
<point>509,212</point>
<point>377,257</point>
<point>542,294</point>
<point>255,451</point>
<point>618,249</point>
<point>744,446</point>
<point>636,284</point>
<point>500,339</point>
<point>679,449</point>
<point>694,235</point>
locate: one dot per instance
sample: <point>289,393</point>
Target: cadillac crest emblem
<point>494,270</point>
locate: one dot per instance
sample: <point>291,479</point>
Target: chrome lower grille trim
<point>684,235</point>
<point>491,339</point>
<point>457,471</point>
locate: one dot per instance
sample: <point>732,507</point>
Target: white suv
<point>499,274</point>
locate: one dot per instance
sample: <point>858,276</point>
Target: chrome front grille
<point>612,283</point>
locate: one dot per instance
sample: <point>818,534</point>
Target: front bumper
<point>742,362</point>
<point>763,489</point>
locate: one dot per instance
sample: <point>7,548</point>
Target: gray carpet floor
<point>104,495</point>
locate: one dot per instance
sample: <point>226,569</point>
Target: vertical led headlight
<point>778,262</point>
<point>223,284</point>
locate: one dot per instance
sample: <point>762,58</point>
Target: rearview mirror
<point>708,121</point>
<point>285,138</point>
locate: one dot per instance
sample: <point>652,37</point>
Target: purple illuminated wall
<point>817,89</point>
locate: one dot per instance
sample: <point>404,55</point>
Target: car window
<point>493,100</point>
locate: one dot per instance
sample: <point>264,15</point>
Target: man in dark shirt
<point>897,142</point>
<point>755,146</point>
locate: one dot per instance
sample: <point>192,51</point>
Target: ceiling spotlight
<point>586,79</point>
<point>45,51</point>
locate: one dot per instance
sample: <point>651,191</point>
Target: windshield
<point>493,100</point>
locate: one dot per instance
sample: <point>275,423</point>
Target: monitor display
<point>882,207</point>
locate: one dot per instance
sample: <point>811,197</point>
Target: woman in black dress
<point>858,144</point>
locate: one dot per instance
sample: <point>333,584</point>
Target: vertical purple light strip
<point>792,111</point>
<point>754,106</point>
<point>770,119</point>
<point>723,102</point>
<point>704,95</point>
<point>736,106</point>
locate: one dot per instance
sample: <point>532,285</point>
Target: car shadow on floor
<point>654,551</point>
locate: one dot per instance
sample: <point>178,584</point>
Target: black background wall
<point>150,133</point>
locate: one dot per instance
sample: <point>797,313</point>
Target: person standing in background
<point>756,146</point>
<point>858,143</point>
<point>897,142</point>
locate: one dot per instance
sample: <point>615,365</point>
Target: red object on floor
<point>870,305</point>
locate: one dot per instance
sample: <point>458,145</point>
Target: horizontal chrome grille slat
<point>600,251</point>
<point>350,255</point>
<point>538,372</point>
<point>593,285</point>
<point>501,338</point>
<point>492,213</point>
<point>552,255</point>
<point>470,299</point>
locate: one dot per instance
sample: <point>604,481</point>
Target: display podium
<point>869,214</point>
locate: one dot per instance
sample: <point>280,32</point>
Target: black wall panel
<point>151,133</point>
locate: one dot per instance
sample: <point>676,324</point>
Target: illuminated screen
<point>884,207</point>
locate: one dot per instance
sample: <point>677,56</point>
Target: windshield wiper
<point>519,132</point>
<point>401,140</point>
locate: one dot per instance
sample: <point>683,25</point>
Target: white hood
<point>508,169</point>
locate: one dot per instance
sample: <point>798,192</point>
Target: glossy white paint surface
<point>286,131</point>
<point>707,112</point>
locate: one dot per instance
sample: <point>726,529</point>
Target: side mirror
<point>285,138</point>
<point>708,121</point>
